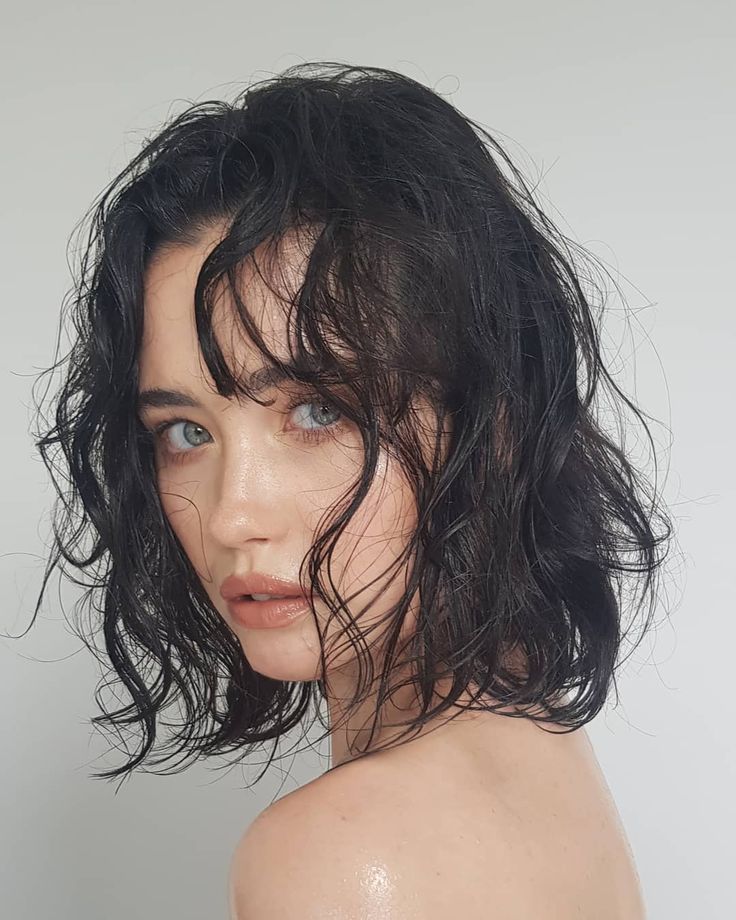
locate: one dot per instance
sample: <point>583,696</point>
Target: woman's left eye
<point>328,426</point>
<point>324,427</point>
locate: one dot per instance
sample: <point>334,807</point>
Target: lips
<point>236,587</point>
<point>268,614</point>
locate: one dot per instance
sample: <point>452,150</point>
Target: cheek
<point>185,519</point>
<point>366,557</point>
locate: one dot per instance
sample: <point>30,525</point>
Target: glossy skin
<point>484,817</point>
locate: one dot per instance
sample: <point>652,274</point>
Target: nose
<point>253,499</point>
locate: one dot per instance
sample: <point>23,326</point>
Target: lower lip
<point>268,614</point>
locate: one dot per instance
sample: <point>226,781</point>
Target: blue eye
<point>162,434</point>
<point>318,432</point>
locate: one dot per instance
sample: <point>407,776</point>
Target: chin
<point>282,654</point>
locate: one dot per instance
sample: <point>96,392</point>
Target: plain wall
<point>622,113</point>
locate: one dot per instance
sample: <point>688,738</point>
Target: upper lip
<point>236,586</point>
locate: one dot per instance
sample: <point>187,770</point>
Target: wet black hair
<point>441,279</point>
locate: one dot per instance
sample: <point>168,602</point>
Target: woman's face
<point>244,486</point>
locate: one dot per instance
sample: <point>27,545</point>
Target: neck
<point>353,735</point>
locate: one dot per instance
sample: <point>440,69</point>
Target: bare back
<point>499,818</point>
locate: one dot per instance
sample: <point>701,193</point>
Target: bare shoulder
<point>421,835</point>
<point>360,843</point>
<point>323,852</point>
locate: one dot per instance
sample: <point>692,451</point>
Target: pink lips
<point>267,614</point>
<point>289,601</point>
<point>237,586</point>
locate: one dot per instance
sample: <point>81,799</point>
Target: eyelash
<point>314,435</point>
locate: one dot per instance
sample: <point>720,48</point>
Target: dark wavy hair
<point>441,279</point>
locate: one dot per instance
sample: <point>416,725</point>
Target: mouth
<point>266,597</point>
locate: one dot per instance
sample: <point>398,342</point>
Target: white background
<point>623,115</point>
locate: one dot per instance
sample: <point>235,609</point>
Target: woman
<point>325,420</point>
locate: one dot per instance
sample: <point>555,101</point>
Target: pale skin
<point>480,817</point>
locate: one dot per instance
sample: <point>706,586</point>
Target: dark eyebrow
<point>158,397</point>
<point>261,379</point>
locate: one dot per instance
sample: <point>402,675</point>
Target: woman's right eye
<point>163,434</point>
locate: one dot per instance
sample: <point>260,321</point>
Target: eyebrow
<point>261,379</point>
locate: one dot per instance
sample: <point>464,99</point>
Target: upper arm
<point>309,859</point>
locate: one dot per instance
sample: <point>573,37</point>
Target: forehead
<point>169,328</point>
